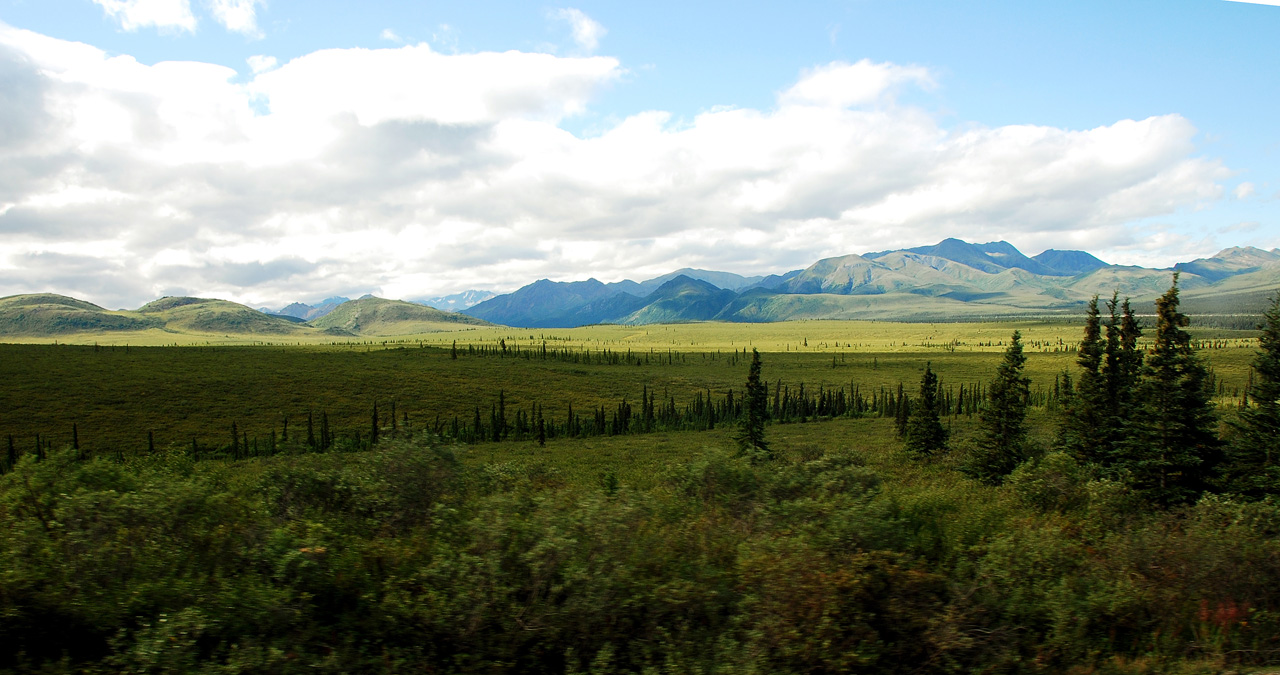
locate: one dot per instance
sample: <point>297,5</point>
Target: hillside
<point>377,316</point>
<point>679,300</point>
<point>206,315</point>
<point>47,314</point>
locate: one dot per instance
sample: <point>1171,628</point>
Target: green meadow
<point>115,394</point>
<point>145,535</point>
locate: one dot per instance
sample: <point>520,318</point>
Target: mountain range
<point>950,281</point>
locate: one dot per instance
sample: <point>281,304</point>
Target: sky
<point>272,151</point>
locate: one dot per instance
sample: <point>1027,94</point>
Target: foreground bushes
<point>405,559</point>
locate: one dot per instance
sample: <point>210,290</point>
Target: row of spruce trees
<point>1142,417</point>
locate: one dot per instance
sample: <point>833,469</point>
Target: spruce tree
<point>925,433</point>
<point>902,413</point>
<point>1121,377</point>
<point>1003,419</point>
<point>1176,452</point>
<point>1083,413</point>
<point>751,442</point>
<point>373,430</point>
<point>1253,468</point>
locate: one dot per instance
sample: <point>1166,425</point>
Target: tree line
<point>1142,417</point>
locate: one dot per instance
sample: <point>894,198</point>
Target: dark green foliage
<point>925,434</point>
<point>1176,452</point>
<point>751,442</point>
<point>1253,467</point>
<point>409,559</point>
<point>1004,441</point>
<point>902,413</point>
<point>1122,379</point>
<point>1084,414</point>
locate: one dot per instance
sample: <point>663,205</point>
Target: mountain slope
<point>680,300</point>
<point>1068,263</point>
<point>207,315</point>
<point>544,304</point>
<point>991,257</point>
<point>377,316</point>
<point>724,280</point>
<point>48,314</point>
<point>456,302</point>
<point>1231,262</point>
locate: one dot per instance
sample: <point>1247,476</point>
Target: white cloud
<point>411,172</point>
<point>587,32</point>
<point>237,16</point>
<point>1244,190</point>
<point>1275,3</point>
<point>391,36</point>
<point>843,85</point>
<point>260,63</point>
<point>161,14</point>
<point>417,83</point>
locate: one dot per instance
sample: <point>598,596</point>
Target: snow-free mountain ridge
<point>951,280</point>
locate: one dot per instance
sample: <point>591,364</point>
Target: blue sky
<point>412,149</point>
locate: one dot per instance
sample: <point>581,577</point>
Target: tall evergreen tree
<point>1253,466</point>
<point>1003,419</point>
<point>751,442</point>
<point>1083,412</point>
<point>902,413</point>
<point>1176,452</point>
<point>925,433</point>
<point>1121,377</point>
<point>373,430</point>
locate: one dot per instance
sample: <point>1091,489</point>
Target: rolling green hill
<point>205,315</point>
<point>377,316</point>
<point>47,314</point>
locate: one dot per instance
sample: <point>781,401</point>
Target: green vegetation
<point>43,315</point>
<point>378,317</point>
<point>616,499</point>
<point>184,320</point>
<point>1004,418</point>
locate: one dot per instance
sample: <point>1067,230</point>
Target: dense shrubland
<point>406,558</point>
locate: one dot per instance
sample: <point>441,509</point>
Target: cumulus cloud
<point>408,172</point>
<point>1244,190</point>
<point>237,16</point>
<point>161,14</point>
<point>587,32</point>
<point>259,63</point>
<point>842,85</point>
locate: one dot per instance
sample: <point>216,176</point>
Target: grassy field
<point>653,552</point>
<point>115,394</point>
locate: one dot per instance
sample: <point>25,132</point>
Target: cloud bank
<point>407,172</point>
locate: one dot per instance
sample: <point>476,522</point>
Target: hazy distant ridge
<point>949,280</point>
